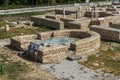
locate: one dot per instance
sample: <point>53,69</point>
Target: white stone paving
<point>71,70</point>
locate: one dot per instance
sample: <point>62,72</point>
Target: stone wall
<point>87,42</point>
<point>114,25</point>
<point>88,45</point>
<point>113,19</point>
<point>83,25</point>
<point>54,54</point>
<point>53,17</point>
<point>58,11</point>
<point>79,34</point>
<point>110,34</point>
<point>61,33</point>
<point>45,22</point>
<point>110,9</point>
<point>97,22</point>
<point>66,21</point>
<point>22,42</point>
<point>51,54</point>
<point>44,35</point>
<point>97,14</point>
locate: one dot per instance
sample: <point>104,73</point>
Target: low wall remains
<point>53,54</point>
<point>66,21</point>
<point>22,42</point>
<point>114,25</point>
<point>87,42</point>
<point>97,14</point>
<point>54,17</point>
<point>110,34</point>
<point>44,35</point>
<point>112,19</point>
<point>58,11</point>
<point>83,25</point>
<point>97,22</point>
<point>45,22</point>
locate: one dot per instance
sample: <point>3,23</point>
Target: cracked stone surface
<point>71,70</point>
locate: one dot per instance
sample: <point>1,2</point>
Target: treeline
<point>39,2</point>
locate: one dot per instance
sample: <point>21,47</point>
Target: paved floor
<point>71,70</point>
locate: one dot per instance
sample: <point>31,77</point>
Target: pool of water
<point>57,41</point>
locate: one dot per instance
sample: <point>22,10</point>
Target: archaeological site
<point>59,39</point>
<point>77,31</point>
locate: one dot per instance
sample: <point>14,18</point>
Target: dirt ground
<point>35,73</point>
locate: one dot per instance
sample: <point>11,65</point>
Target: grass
<point>3,23</point>
<point>15,69</point>
<point>108,59</point>
<point>22,16</point>
<point>12,70</point>
<point>18,31</point>
<point>3,58</point>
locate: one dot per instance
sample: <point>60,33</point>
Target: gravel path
<point>71,70</point>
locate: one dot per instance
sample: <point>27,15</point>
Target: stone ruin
<point>77,17</point>
<point>103,19</point>
<point>88,42</point>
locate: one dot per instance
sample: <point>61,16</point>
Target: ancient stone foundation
<point>22,42</point>
<point>87,43</point>
<point>45,22</point>
<point>110,34</point>
<point>83,25</point>
<point>114,25</point>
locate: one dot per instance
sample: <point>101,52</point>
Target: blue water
<point>56,41</point>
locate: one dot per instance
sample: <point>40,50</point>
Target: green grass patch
<point>12,70</point>
<point>17,31</point>
<point>15,69</point>
<point>22,16</point>
<point>3,23</point>
<point>92,58</point>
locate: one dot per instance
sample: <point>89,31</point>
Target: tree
<point>52,1</point>
<point>38,2</point>
<point>6,2</point>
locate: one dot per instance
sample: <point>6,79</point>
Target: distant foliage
<point>39,2</point>
<point>10,4</point>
